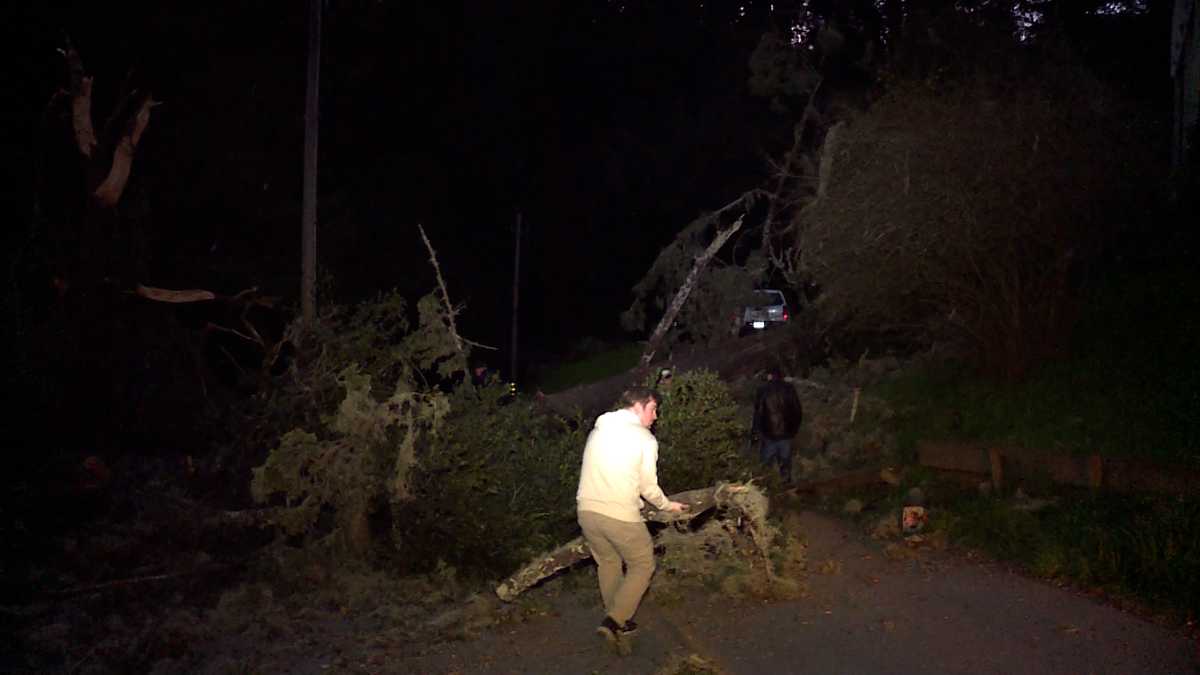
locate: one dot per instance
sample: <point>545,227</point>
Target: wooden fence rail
<point>1001,464</point>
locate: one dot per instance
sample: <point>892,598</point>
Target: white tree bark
<point>693,276</point>
<point>109,192</point>
<point>81,118</point>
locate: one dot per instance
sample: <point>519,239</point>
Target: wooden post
<point>512,355</point>
<point>996,460</point>
<point>1095,472</point>
<point>1185,71</point>
<point>308,208</point>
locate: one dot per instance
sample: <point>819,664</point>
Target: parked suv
<point>769,309</point>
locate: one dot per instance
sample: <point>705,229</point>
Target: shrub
<point>347,449</point>
<point>469,476</point>
<point>1126,390</point>
<point>497,486</point>
<point>494,488</point>
<point>363,454</point>
<point>701,433</point>
<point>1143,544</point>
<point>949,215</point>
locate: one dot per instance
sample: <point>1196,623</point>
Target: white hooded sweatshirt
<point>620,468</point>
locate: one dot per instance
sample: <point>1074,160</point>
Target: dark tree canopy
<point>610,126</point>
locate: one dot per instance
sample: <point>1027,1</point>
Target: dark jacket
<point>777,411</point>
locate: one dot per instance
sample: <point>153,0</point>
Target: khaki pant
<point>612,542</point>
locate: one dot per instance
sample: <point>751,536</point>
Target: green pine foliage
<point>701,433</point>
<point>353,418</point>
<point>496,487</point>
<point>364,453</point>
<point>382,442</point>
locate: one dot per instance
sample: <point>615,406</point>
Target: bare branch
<point>450,310</point>
<point>785,261</point>
<point>241,371</point>
<point>166,295</point>
<point>81,118</point>
<point>109,192</point>
<point>134,581</point>
<point>232,331</point>
<point>681,295</point>
<point>81,102</point>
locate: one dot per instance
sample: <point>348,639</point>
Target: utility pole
<point>308,208</point>
<point>1185,71</point>
<point>512,362</point>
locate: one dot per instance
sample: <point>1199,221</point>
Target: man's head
<point>774,373</point>
<point>643,402</point>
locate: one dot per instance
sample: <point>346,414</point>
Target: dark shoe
<point>629,629</point>
<point>609,630</point>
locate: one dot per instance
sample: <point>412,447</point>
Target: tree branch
<point>450,311</point>
<point>167,295</point>
<point>81,102</point>
<point>681,295</point>
<point>109,192</point>
<point>575,551</point>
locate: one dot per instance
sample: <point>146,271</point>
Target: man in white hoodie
<point>619,471</point>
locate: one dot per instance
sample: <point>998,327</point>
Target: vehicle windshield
<point>768,297</point>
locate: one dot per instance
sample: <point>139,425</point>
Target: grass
<point>1139,545</point>
<point>1142,547</point>
<point>1130,385</point>
<point>591,368</point>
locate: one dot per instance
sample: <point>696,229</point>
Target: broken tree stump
<point>575,551</point>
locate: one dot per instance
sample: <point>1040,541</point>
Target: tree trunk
<point>109,192</point>
<point>357,532</point>
<point>685,290</point>
<point>1185,70</point>
<point>516,295</point>
<point>81,111</point>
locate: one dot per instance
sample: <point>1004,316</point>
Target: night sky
<point>607,130</point>
<point>608,126</point>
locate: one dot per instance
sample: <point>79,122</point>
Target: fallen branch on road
<point>723,495</point>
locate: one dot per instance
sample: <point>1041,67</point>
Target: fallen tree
<point>742,500</point>
<point>731,361</point>
<point>688,269</point>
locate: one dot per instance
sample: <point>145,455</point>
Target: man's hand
<point>676,507</point>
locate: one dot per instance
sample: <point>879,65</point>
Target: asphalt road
<point>938,613</point>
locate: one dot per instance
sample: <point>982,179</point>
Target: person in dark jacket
<point>777,417</point>
<point>480,373</point>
